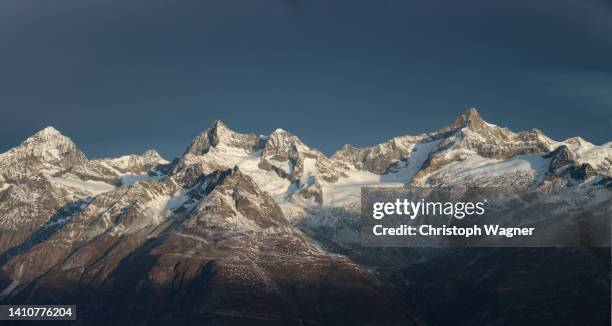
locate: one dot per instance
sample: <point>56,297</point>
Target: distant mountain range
<point>262,229</point>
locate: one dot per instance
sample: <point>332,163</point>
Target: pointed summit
<point>219,125</point>
<point>49,131</point>
<point>220,135</point>
<point>47,147</point>
<point>220,132</point>
<point>50,141</point>
<point>470,118</point>
<point>151,153</point>
<point>283,144</point>
<point>46,135</point>
<point>152,156</point>
<point>472,113</point>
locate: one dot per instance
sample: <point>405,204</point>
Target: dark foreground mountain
<point>227,255</point>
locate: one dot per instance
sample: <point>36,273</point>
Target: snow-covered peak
<point>379,158</point>
<point>49,131</point>
<point>220,130</point>
<point>133,161</point>
<point>117,171</point>
<point>577,142</point>
<point>47,148</point>
<point>471,122</point>
<point>152,155</point>
<point>283,142</point>
<point>220,135</point>
<point>48,137</point>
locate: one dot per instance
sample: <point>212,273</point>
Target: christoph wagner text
<point>429,230</point>
<point>412,209</point>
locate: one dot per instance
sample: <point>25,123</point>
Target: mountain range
<point>264,229</point>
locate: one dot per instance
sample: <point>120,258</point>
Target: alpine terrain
<point>244,228</point>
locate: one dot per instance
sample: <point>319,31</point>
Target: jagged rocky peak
<point>149,158</point>
<point>472,123</point>
<point>379,158</point>
<point>563,162</point>
<point>470,118</point>
<point>49,131</point>
<point>488,140</point>
<point>111,169</point>
<point>561,157</point>
<point>234,199</point>
<point>146,160</point>
<point>577,142</point>
<point>290,158</point>
<point>48,136</point>
<point>47,148</point>
<point>283,145</point>
<point>221,135</point>
<point>152,155</point>
<point>470,135</point>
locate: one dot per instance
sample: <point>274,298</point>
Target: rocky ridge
<point>219,217</point>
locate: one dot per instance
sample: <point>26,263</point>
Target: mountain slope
<point>224,247</point>
<point>46,180</point>
<point>219,234</point>
<point>47,149</point>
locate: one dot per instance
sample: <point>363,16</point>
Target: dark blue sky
<point>121,76</point>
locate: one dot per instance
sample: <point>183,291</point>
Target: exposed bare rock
<point>210,237</point>
<point>26,207</point>
<point>281,153</point>
<point>220,135</point>
<point>560,157</point>
<point>227,253</point>
<point>113,170</point>
<point>469,135</point>
<point>47,149</point>
<point>380,158</point>
<point>583,172</point>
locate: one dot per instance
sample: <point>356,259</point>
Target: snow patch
<point>309,172</point>
<point>347,191</point>
<point>90,186</point>
<point>476,168</point>
<point>162,205</point>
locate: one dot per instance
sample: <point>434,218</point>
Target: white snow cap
<point>49,131</point>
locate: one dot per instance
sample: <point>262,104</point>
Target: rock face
<point>583,172</point>
<point>113,170</point>
<point>378,159</point>
<point>468,134</point>
<point>27,199</point>
<point>25,207</point>
<point>223,247</point>
<point>560,157</point>
<point>220,135</point>
<point>293,164</point>
<point>47,148</point>
<point>217,235</point>
<point>289,158</point>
